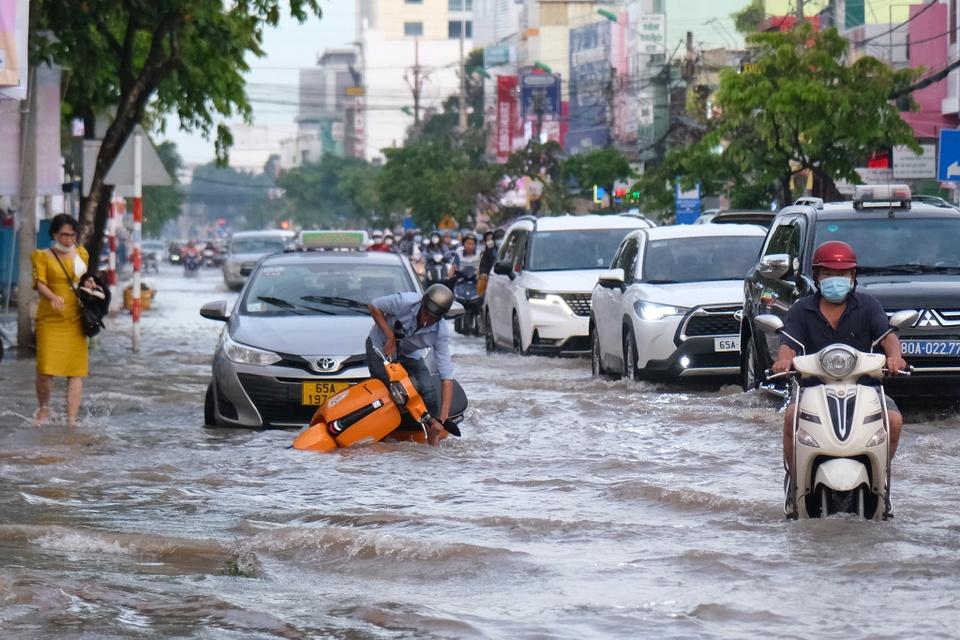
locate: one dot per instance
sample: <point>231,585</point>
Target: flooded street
<point>571,508</point>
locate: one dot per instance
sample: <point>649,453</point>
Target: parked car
<point>247,247</point>
<point>907,259</point>
<point>538,296</point>
<point>297,334</point>
<point>670,305</point>
<point>760,217</point>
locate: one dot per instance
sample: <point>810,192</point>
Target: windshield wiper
<point>289,306</point>
<point>662,281</point>
<point>338,302</point>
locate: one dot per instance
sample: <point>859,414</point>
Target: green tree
<point>137,60</point>
<point>603,167</point>
<point>334,192</point>
<point>800,106</point>
<point>161,204</point>
<point>237,196</point>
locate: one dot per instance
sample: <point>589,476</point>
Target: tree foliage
<point>241,198</point>
<point>799,106</point>
<point>140,59</point>
<point>603,167</point>
<point>335,192</point>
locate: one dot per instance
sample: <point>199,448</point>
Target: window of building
<point>413,29</point>
<point>460,5</point>
<point>413,1</point>
<point>454,26</point>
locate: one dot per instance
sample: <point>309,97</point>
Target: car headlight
<point>806,439</point>
<point>242,354</point>
<point>543,297</point>
<point>838,361</point>
<point>878,438</point>
<point>651,311</point>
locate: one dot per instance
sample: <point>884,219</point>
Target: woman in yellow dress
<point>61,343</point>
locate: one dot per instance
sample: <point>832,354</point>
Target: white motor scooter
<point>841,460</point>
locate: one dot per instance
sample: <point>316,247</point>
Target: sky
<point>292,46</point>
<point>289,47</point>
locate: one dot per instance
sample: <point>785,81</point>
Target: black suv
<point>908,256</point>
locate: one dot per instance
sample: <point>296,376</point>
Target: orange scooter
<point>372,411</point>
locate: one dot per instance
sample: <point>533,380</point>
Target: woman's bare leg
<point>74,393</point>
<point>44,389</point>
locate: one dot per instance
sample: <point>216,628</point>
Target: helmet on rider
<point>835,255</point>
<point>437,300</point>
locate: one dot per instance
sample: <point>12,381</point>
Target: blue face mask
<point>836,289</point>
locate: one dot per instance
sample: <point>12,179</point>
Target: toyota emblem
<point>326,364</point>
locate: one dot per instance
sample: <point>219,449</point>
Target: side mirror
<point>503,268</point>
<point>768,323</point>
<point>215,311</point>
<point>455,310</point>
<point>905,318</point>
<point>612,279</point>
<point>246,271</point>
<point>775,265</point>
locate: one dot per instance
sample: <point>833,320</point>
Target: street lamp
<point>542,67</point>
<point>609,15</point>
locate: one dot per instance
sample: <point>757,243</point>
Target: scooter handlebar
<point>903,372</point>
<point>770,375</point>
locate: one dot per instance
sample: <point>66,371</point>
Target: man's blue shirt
<point>405,307</point>
<point>863,321</point>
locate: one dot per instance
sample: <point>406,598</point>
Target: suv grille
<point>579,302</point>
<point>935,318</point>
<point>717,321</point>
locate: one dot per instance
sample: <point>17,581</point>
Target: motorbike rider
<point>407,325</point>
<point>434,247</point>
<point>837,313</point>
<point>378,244</point>
<point>467,254</point>
<point>388,242</point>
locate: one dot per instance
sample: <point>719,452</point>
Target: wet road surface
<point>571,508</point>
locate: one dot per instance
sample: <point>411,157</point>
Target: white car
<point>245,250</point>
<point>538,295</point>
<point>670,306</point>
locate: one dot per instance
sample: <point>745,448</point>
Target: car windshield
<point>699,259</point>
<point>329,288</point>
<point>894,245</point>
<point>256,245</point>
<point>574,249</point>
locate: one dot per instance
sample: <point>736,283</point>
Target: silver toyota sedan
<point>297,334</point>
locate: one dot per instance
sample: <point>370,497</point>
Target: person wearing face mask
<point>837,313</point>
<point>378,243</point>
<point>61,344</point>
<point>435,246</point>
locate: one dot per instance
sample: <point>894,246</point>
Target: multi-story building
<point>410,53</point>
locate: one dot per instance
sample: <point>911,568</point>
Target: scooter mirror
<point>769,323</point>
<point>455,310</point>
<point>905,318</point>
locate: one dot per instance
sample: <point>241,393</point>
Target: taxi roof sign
<point>881,195</point>
<point>338,239</point>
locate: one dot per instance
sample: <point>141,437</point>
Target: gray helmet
<point>437,300</point>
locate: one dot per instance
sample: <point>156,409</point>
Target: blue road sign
<point>948,165</point>
<point>687,204</point>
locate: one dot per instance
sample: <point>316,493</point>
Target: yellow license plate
<point>316,393</point>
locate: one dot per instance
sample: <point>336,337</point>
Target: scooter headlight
<point>242,354</point>
<point>878,438</point>
<point>838,361</point>
<point>806,439</point>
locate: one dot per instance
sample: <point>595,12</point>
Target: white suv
<point>538,295</point>
<point>671,303</point>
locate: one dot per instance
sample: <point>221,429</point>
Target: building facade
<point>410,56</point>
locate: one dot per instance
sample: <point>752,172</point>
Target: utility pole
<point>463,83</point>
<point>800,17</point>
<point>611,108</point>
<point>27,206</point>
<point>415,86</point>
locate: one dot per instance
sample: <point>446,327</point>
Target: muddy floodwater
<point>571,508</point>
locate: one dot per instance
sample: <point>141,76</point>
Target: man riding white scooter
<point>836,313</point>
<point>405,326</point>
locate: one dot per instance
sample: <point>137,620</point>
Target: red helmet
<point>835,255</point>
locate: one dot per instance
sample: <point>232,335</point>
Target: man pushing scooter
<point>407,325</point>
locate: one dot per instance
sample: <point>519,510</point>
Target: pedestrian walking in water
<point>61,343</point>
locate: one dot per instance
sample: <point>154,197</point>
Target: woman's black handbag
<point>92,308</point>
